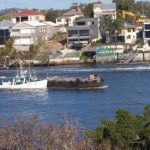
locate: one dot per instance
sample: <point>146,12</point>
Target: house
<point>129,33</point>
<point>83,31</point>
<point>101,9</point>
<point>5,27</point>
<point>27,15</point>
<point>69,17</point>
<point>28,33</point>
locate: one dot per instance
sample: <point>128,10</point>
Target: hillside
<point>46,49</point>
<point>56,43</point>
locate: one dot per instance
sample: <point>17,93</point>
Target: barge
<point>93,82</point>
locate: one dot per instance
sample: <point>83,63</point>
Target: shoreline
<point>104,65</point>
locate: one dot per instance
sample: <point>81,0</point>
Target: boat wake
<point>104,87</point>
<point>115,69</point>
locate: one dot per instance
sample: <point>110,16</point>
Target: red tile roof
<point>27,13</point>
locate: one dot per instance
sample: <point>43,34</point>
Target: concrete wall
<point>145,56</point>
<point>140,57</point>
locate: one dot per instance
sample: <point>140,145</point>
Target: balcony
<point>18,34</point>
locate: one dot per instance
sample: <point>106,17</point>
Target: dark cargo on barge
<point>93,82</point>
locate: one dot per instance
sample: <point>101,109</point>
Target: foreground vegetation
<point>126,132</point>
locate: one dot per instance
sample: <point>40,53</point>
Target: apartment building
<point>83,31</point>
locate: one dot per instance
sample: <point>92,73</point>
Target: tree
<point>142,8</point>
<point>5,17</point>
<point>9,50</point>
<point>125,4</point>
<point>127,131</point>
<point>51,15</point>
<point>110,27</point>
<point>88,10</point>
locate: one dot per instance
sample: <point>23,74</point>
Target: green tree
<point>110,27</point>
<point>9,50</point>
<point>51,15</point>
<point>127,131</point>
<point>142,8</point>
<point>125,4</point>
<point>5,17</point>
<point>88,10</point>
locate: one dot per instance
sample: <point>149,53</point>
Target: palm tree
<point>110,27</point>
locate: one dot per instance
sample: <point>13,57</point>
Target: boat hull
<point>30,85</point>
<point>66,83</point>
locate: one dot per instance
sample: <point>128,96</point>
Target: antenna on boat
<point>17,74</point>
<point>30,62</point>
<point>21,70</point>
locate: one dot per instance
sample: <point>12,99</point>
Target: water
<point>128,88</point>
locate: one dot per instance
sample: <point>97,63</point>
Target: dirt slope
<point>49,47</point>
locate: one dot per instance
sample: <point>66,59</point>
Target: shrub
<point>127,131</point>
<point>30,134</point>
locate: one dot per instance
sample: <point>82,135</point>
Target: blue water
<point>128,88</point>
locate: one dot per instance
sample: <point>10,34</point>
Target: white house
<point>27,15</point>
<point>101,9</point>
<point>27,33</point>
<point>129,33</point>
<point>69,17</point>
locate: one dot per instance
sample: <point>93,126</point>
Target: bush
<point>127,131</point>
<point>30,134</point>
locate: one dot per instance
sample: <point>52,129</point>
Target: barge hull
<point>73,83</point>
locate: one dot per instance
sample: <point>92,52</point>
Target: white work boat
<point>23,81</point>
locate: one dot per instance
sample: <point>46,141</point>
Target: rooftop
<point>50,23</point>
<point>6,24</point>
<point>27,13</point>
<point>72,12</point>
<point>28,24</point>
<point>104,6</point>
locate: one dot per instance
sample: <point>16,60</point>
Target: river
<point>128,88</point>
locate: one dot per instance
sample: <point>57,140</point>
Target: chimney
<point>78,9</point>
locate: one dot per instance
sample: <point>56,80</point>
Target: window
<point>148,42</point>
<point>36,17</point>
<point>129,37</point>
<point>147,26</point>
<point>58,20</point>
<point>44,29</point>
<point>72,33</point>
<point>129,30</point>
<point>84,32</point>
<point>40,29</point>
<point>80,23</point>
<point>147,34</point>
